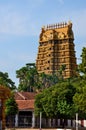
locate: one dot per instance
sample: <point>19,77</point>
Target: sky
<point>20,26</point>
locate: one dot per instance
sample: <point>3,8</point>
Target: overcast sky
<point>20,26</point>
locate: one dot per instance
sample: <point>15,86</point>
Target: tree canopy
<point>56,100</point>
<point>56,97</point>
<point>27,77</point>
<point>6,81</point>
<point>30,80</point>
<point>66,97</point>
<point>82,65</point>
<point>11,106</point>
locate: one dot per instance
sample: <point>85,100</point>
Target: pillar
<point>16,120</point>
<point>33,120</point>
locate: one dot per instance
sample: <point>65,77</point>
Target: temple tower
<point>56,48</point>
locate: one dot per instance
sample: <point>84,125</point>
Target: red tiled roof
<point>24,95</point>
<point>25,104</point>
<point>25,100</point>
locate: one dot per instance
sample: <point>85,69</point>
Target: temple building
<point>56,48</point>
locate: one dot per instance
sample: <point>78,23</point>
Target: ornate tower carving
<point>56,48</point>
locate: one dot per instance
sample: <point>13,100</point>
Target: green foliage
<point>64,108</point>
<point>11,109</point>
<point>63,99</point>
<point>38,104</point>
<point>27,77</point>
<point>61,71</point>
<point>56,100</point>
<point>82,65</point>
<point>46,103</point>
<point>6,81</point>
<point>30,79</point>
<point>46,80</point>
<point>11,106</point>
<point>80,96</point>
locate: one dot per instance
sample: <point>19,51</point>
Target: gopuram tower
<point>56,48</point>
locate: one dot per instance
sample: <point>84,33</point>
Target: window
<point>48,61</point>
<point>55,41</point>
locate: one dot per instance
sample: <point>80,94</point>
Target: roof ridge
<point>21,95</point>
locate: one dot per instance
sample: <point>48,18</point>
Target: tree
<point>82,65</point>
<point>11,108</point>
<point>46,80</point>
<point>30,80</point>
<point>27,77</point>
<point>66,97</point>
<point>45,102</point>
<point>80,84</point>
<point>6,81</point>
<point>79,98</point>
<point>61,71</point>
<point>56,100</point>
